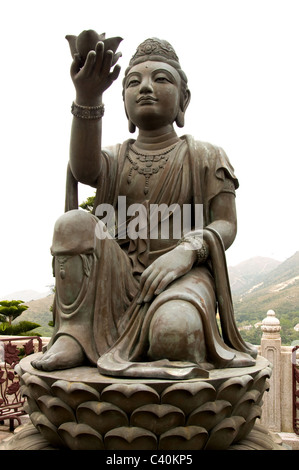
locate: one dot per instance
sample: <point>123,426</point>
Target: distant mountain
<point>25,295</point>
<point>274,286</point>
<point>39,312</point>
<point>248,274</point>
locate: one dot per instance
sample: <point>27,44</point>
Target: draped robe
<point>106,319</point>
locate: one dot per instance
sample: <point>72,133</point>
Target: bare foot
<point>64,354</point>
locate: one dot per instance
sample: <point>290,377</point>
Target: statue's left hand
<point>164,270</point>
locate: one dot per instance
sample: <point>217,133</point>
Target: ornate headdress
<point>154,49</point>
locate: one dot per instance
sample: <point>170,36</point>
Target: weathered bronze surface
<point>82,409</point>
<point>137,359</point>
<point>143,306</point>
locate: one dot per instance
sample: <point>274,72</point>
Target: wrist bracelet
<point>87,112</point>
<point>202,253</point>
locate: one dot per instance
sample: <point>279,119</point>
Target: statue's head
<point>157,55</point>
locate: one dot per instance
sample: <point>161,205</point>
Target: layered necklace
<point>147,164</point>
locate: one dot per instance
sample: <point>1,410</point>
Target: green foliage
<point>252,336</point>
<point>88,204</point>
<point>11,309</point>
<point>22,328</point>
<point>288,320</point>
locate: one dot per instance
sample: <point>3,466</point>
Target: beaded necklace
<point>148,169</point>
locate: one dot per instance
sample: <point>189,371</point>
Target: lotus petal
<point>47,429</point>
<point>232,389</point>
<point>245,429</point>
<point>128,397</point>
<point>37,387</point>
<point>157,418</point>
<point>101,416</point>
<point>74,393</point>
<point>184,438</point>
<point>56,410</point>
<point>87,41</point>
<point>80,437</point>
<point>224,433</point>
<point>188,396</point>
<point>130,438</point>
<point>210,414</point>
<point>244,405</point>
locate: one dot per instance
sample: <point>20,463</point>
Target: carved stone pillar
<point>271,349</point>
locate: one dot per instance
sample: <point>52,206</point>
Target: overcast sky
<point>241,59</point>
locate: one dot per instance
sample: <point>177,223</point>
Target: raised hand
<point>95,76</point>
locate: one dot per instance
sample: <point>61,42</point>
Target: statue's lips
<point>146,100</point>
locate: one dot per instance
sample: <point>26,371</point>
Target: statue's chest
<point>140,180</point>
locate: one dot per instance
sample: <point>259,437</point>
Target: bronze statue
<point>142,306</point>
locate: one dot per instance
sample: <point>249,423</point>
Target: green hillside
<point>277,290</point>
<point>39,311</point>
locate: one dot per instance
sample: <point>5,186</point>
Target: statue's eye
<point>132,82</point>
<point>162,79</point>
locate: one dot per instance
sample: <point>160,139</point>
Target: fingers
<point>116,57</point>
<point>146,281</point>
<point>115,73</point>
<point>76,64</point>
<point>153,284</point>
<point>166,280</point>
<point>89,63</point>
<point>99,56</point>
<point>107,63</point>
<point>105,60</point>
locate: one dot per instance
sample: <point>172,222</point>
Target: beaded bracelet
<point>87,112</point>
<point>202,253</point>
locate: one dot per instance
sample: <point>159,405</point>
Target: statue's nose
<point>146,86</point>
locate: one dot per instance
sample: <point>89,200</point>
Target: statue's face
<point>152,94</point>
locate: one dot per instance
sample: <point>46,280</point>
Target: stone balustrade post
<point>271,350</point>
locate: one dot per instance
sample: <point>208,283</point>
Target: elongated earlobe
<point>180,119</point>
<point>185,100</point>
<point>132,127</point>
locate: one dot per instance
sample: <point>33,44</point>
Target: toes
<point>42,364</point>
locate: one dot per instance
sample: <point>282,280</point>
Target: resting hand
<point>95,76</point>
<point>164,270</point>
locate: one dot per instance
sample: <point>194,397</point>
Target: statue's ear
<point>184,102</point>
<point>132,127</point>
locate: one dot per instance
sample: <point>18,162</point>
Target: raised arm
<point>90,82</point>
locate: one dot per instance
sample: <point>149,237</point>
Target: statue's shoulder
<point>111,151</point>
<point>205,151</point>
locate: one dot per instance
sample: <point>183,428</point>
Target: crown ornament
<point>154,47</point>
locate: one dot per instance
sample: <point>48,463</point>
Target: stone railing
<point>277,414</point>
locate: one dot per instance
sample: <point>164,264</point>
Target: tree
<point>88,204</point>
<point>9,311</point>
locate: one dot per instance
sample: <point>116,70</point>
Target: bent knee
<point>74,233</point>
<point>176,332</point>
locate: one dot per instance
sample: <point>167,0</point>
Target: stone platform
<point>80,409</point>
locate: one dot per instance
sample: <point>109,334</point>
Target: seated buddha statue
<point>134,299</point>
